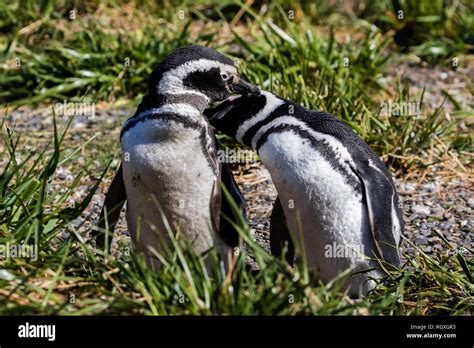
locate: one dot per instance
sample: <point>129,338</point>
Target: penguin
<point>170,175</point>
<point>335,196</point>
<point>116,197</point>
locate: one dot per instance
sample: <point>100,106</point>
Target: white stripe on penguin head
<point>172,80</point>
<point>271,104</point>
<point>180,109</point>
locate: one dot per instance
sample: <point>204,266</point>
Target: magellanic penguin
<point>169,156</point>
<point>338,198</point>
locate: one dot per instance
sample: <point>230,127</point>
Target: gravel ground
<point>436,81</point>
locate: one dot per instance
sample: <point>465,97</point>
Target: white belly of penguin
<point>165,160</point>
<point>322,209</point>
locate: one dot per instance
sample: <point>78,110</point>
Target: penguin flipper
<point>215,204</point>
<point>220,206</point>
<point>379,194</point>
<point>280,234</point>
<point>113,203</point>
<point>228,233</point>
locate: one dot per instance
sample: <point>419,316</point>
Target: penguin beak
<point>240,86</point>
<point>217,113</point>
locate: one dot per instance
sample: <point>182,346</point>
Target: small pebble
<point>5,275</point>
<point>445,225</point>
<point>79,125</point>
<point>470,203</point>
<point>76,222</point>
<point>437,211</point>
<point>64,234</point>
<point>420,209</point>
<point>421,240</point>
<point>408,187</point>
<point>430,187</point>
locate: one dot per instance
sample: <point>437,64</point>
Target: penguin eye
<point>224,76</point>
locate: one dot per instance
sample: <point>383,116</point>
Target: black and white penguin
<point>337,196</point>
<point>170,174</point>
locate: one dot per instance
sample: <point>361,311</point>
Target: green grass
<point>432,30</point>
<point>301,58</point>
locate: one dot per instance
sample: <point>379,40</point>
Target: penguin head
<point>198,70</point>
<point>229,115</point>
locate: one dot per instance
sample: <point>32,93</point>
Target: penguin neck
<point>195,101</point>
